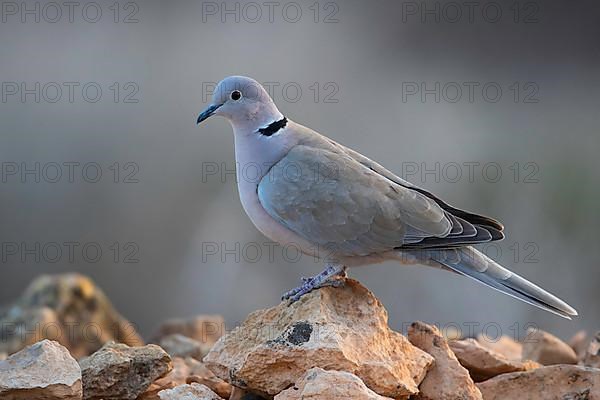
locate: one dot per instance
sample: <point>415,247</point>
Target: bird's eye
<point>236,95</point>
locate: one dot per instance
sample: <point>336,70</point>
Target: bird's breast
<point>266,224</point>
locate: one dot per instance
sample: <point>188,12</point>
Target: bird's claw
<point>304,288</point>
<point>312,283</point>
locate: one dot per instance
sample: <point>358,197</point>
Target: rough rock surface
<point>195,391</point>
<point>447,380</point>
<point>484,363</point>
<point>547,349</point>
<point>69,309</point>
<point>592,355</point>
<point>332,328</point>
<point>188,370</point>
<point>182,346</point>
<point>557,382</point>
<point>204,329</point>
<point>118,371</point>
<point>43,371</point>
<point>505,345</point>
<point>318,384</point>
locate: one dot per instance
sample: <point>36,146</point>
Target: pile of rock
<point>335,343</point>
<point>66,317</point>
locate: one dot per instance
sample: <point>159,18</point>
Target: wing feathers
<point>364,209</point>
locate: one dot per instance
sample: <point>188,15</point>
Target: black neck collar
<point>273,127</point>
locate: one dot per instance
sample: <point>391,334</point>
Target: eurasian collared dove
<point>334,203</point>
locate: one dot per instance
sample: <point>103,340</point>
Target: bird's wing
<point>468,223</point>
<point>334,201</point>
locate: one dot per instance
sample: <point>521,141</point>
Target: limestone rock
<point>182,346</point>
<point>332,328</point>
<point>319,384</point>
<point>592,355</point>
<point>69,309</point>
<point>43,371</point>
<point>188,370</point>
<point>504,345</point>
<point>484,363</point>
<point>547,349</point>
<point>195,391</point>
<point>118,371</point>
<point>447,380</point>
<point>557,382</point>
<point>205,329</point>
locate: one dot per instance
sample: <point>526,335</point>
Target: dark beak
<point>210,110</point>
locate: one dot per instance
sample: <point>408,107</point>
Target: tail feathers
<point>474,264</point>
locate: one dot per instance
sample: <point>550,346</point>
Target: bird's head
<point>244,102</point>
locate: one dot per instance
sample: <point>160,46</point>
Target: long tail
<point>472,263</point>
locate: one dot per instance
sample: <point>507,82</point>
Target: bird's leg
<point>334,275</point>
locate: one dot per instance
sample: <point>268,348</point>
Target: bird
<point>347,210</point>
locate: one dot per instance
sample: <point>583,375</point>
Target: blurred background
<point>492,106</point>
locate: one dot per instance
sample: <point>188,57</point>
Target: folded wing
<point>332,199</point>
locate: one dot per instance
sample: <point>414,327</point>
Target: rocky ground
<point>64,340</point>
